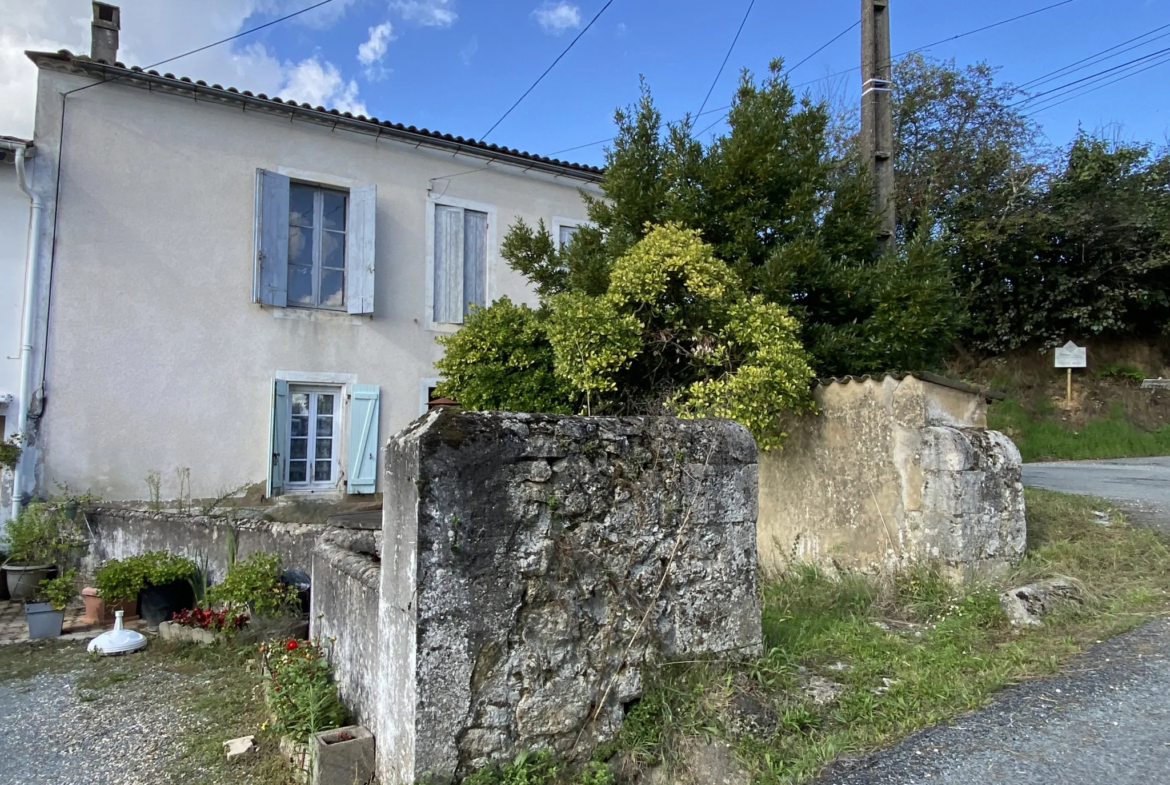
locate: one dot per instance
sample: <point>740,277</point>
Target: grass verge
<point>887,657</point>
<point>1041,437</point>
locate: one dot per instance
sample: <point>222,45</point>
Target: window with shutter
<point>459,269</point>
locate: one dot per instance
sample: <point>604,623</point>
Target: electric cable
<point>546,71</point>
<point>726,57</point>
<point>1095,58</point>
<point>1079,92</point>
<point>1075,82</point>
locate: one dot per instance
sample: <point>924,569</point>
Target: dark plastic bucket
<point>157,604</point>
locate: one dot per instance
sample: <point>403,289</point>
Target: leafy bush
<point>42,534</point>
<point>1124,371</point>
<point>120,580</point>
<point>300,688</point>
<point>10,451</point>
<point>255,583</point>
<point>58,591</point>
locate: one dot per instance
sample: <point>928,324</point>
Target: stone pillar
<point>522,587</point>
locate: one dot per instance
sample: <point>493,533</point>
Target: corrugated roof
<point>933,378</point>
<point>330,116</point>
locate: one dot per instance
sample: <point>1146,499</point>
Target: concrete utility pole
<point>877,111</point>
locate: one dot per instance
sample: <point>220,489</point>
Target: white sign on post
<point>1072,356</point>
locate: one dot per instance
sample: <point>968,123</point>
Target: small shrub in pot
<point>41,537</point>
<point>161,582</point>
<point>46,614</point>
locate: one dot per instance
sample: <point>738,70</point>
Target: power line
<point>726,57</point>
<point>1075,82</point>
<point>1095,58</point>
<point>832,41</point>
<point>546,71</point>
<point>1080,92</point>
<point>209,46</point>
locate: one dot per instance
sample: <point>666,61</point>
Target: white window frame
<point>319,230</point>
<point>489,262</point>
<point>343,383</point>
<point>311,485</point>
<point>559,221</point>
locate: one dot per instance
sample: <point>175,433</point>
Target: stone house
<point>247,288</point>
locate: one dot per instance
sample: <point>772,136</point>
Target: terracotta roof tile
<point>470,146</point>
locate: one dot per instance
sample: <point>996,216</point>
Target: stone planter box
<point>344,756</point>
<point>299,756</point>
<point>172,631</point>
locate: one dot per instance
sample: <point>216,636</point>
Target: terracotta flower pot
<point>96,611</point>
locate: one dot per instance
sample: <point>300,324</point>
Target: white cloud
<point>370,53</point>
<point>321,84</point>
<point>558,17</point>
<point>468,52</point>
<point>151,32</point>
<point>428,13</point>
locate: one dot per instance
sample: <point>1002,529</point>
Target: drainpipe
<point>29,324</point>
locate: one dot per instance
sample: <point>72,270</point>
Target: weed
<point>154,488</point>
<point>1120,370</point>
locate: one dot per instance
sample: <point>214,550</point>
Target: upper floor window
<point>565,228</point>
<point>314,245</point>
<point>460,260</point>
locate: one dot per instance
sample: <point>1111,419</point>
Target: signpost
<point>1071,356</point>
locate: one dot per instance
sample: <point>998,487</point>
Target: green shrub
<point>41,534</point>
<point>120,580</point>
<point>255,582</point>
<point>58,591</point>
<point>1124,371</point>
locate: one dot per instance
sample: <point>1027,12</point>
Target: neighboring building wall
<point>158,359</point>
<point>889,472</point>
<point>522,554</point>
<point>14,218</point>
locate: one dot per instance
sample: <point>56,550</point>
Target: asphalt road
<point>1140,486</point>
<point>1106,719</point>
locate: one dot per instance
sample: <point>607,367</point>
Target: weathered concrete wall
<point>891,471</point>
<point>346,574</point>
<point>522,554</point>
<point>116,533</point>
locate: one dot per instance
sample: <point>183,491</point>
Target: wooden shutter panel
<point>359,249</point>
<point>448,282</point>
<point>363,439</point>
<point>271,268</point>
<point>277,437</point>
<point>474,260</point>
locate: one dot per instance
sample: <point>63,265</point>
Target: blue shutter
<point>277,437</point>
<point>271,267</point>
<point>363,439</point>
<point>448,284</point>
<point>359,249</point>
<point>474,259</point>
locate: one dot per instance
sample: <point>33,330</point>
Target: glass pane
<point>334,210</point>
<point>324,403</point>
<point>300,426</point>
<point>324,449</point>
<point>297,471</point>
<point>332,288</point>
<point>333,250</point>
<point>298,449</point>
<point>567,233</point>
<point>300,403</point>
<point>300,205</point>
<point>325,426</point>
<point>323,471</point>
<point>300,246</point>
<point>300,285</point>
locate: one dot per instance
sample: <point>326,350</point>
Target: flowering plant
<point>225,620</point>
<point>300,688</point>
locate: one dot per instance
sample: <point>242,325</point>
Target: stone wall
<point>891,471</point>
<point>346,574</point>
<point>532,566</point>
<point>116,533</point>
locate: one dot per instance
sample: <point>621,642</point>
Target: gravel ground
<point>1106,720</point>
<point>120,734</point>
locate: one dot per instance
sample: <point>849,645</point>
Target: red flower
<point>291,645</point>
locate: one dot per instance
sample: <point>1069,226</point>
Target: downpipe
<point>28,327</point>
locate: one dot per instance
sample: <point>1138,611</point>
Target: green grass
<point>908,652</point>
<point>1040,437</point>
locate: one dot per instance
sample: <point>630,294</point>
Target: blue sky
<point>457,65</point>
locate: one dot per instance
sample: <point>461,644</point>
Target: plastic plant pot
<point>23,579</point>
<point>43,620</point>
<point>157,604</point>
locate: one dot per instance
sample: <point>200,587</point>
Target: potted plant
<point>46,613</point>
<point>160,581</point>
<point>39,538</point>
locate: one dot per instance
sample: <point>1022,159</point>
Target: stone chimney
<point>107,21</point>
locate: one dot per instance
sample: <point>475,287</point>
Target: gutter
<point>28,325</point>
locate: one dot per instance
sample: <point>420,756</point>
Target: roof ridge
<point>474,146</point>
